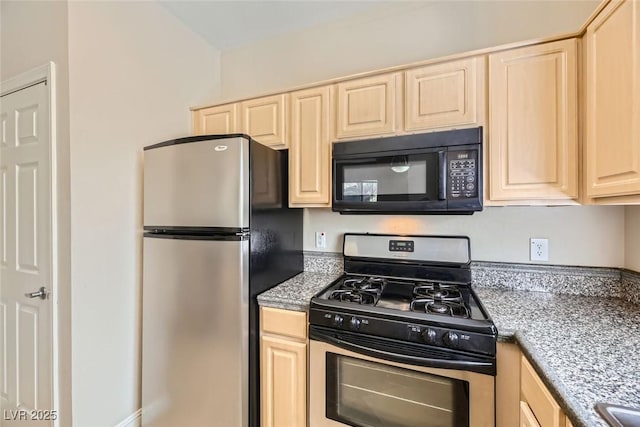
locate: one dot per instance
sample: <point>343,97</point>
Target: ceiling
<point>230,24</point>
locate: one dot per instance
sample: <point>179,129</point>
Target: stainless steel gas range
<point>401,339</point>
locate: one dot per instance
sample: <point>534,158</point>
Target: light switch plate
<point>321,240</point>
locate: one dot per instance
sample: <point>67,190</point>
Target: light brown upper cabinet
<point>264,119</point>
<point>533,124</point>
<point>368,106</point>
<point>310,148</point>
<point>221,119</point>
<point>445,95</point>
<point>612,124</point>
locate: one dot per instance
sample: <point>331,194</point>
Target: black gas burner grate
<point>359,290</point>
<point>438,292</point>
<point>363,297</point>
<point>439,306</point>
<point>364,283</point>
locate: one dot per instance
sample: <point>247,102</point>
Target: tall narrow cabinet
<point>310,147</point>
<point>612,69</point>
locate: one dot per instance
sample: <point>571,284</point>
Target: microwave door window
<point>391,179</point>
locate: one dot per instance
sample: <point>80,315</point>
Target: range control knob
<point>451,339</point>
<point>355,323</point>
<point>338,320</point>
<point>430,336</point>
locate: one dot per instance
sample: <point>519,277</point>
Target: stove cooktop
<point>397,295</point>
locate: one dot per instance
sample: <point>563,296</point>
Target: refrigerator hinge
<point>243,234</point>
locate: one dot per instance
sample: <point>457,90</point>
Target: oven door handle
<point>488,368</point>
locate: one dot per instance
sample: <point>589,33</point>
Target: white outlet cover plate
<point>539,250</point>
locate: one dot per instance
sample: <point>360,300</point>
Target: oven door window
<point>368,394</point>
<point>398,178</point>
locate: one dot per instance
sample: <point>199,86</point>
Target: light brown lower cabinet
<point>527,419</point>
<point>283,368</point>
<point>522,399</point>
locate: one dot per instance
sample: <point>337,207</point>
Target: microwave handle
<point>442,180</point>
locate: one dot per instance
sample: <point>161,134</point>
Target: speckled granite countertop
<point>295,293</point>
<point>586,349</point>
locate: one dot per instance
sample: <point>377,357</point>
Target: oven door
<point>352,389</point>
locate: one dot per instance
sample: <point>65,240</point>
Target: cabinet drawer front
<point>443,95</point>
<point>538,398</point>
<point>284,322</point>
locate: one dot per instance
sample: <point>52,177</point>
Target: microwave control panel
<point>463,174</point>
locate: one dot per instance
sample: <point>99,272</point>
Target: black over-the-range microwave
<point>430,173</point>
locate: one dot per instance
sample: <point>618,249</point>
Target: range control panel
<point>463,174</point>
<point>435,336</point>
<point>401,245</point>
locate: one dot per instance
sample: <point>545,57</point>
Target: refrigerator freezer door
<point>197,184</point>
<point>195,333</point>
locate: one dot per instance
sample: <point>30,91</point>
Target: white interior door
<point>26,363</point>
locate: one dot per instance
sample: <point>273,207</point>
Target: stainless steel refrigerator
<point>217,232</point>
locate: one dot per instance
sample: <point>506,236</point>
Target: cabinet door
<point>613,101</point>
<point>533,123</point>
<point>310,149</point>
<point>538,399</point>
<point>368,106</point>
<point>263,119</point>
<point>283,382</point>
<point>221,119</point>
<point>445,95</point>
<point>527,419</point>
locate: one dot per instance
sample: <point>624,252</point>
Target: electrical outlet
<point>321,240</point>
<point>539,250</point>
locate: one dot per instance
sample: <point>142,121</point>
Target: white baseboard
<point>132,420</point>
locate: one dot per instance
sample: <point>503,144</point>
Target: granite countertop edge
<point>296,293</point>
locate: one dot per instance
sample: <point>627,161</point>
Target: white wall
<point>32,34</point>
<point>578,235</point>
<point>632,238</point>
<point>391,35</point>
<point>134,72</point>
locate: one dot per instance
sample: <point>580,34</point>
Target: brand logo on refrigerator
<point>220,147</point>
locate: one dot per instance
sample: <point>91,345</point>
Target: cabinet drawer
<point>284,322</point>
<point>537,397</point>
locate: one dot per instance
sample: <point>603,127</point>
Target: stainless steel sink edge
<point>619,416</point>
